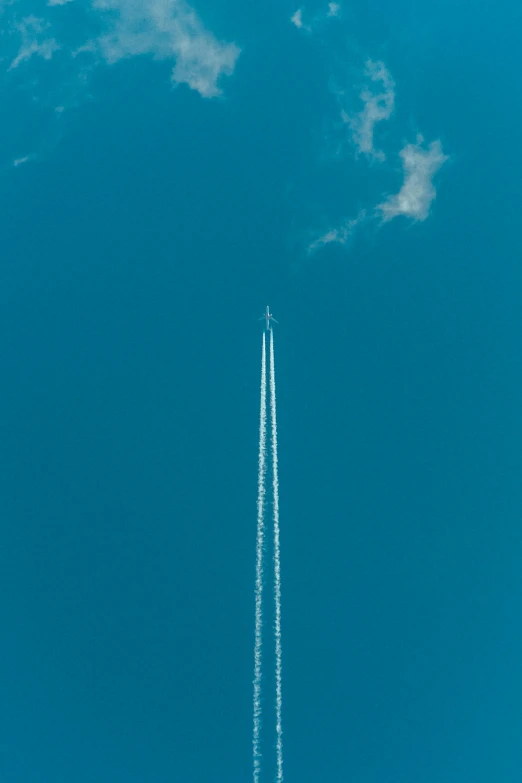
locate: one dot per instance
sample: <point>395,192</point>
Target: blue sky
<point>166,171</point>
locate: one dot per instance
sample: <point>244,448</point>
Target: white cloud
<point>417,192</point>
<point>378,106</point>
<point>340,235</point>
<point>414,199</point>
<point>33,32</point>
<point>163,29</point>
<point>102,32</point>
<point>297,18</point>
<point>19,161</point>
<point>167,29</point>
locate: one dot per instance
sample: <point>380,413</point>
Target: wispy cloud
<point>35,40</point>
<point>417,192</point>
<point>378,98</point>
<point>78,39</point>
<point>333,10</point>
<point>162,29</point>
<point>166,29</point>
<point>340,235</point>
<point>420,164</point>
<point>297,18</point>
<point>20,161</point>
<point>365,97</point>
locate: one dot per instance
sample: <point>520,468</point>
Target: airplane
<point>268,317</point>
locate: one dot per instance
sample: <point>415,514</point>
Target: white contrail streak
<point>259,567</point>
<point>277,567</point>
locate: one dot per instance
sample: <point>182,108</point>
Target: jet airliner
<point>268,317</point>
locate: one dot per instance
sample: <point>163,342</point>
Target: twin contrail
<point>258,643</point>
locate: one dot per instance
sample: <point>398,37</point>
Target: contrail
<point>260,538</point>
<point>259,566</point>
<point>277,567</point>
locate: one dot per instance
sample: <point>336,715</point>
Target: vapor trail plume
<point>259,567</point>
<point>277,567</point>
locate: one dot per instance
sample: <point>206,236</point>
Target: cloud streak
<point>340,235</point>
<point>20,161</point>
<point>417,192</point>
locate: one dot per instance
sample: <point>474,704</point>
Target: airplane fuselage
<point>268,317</point>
